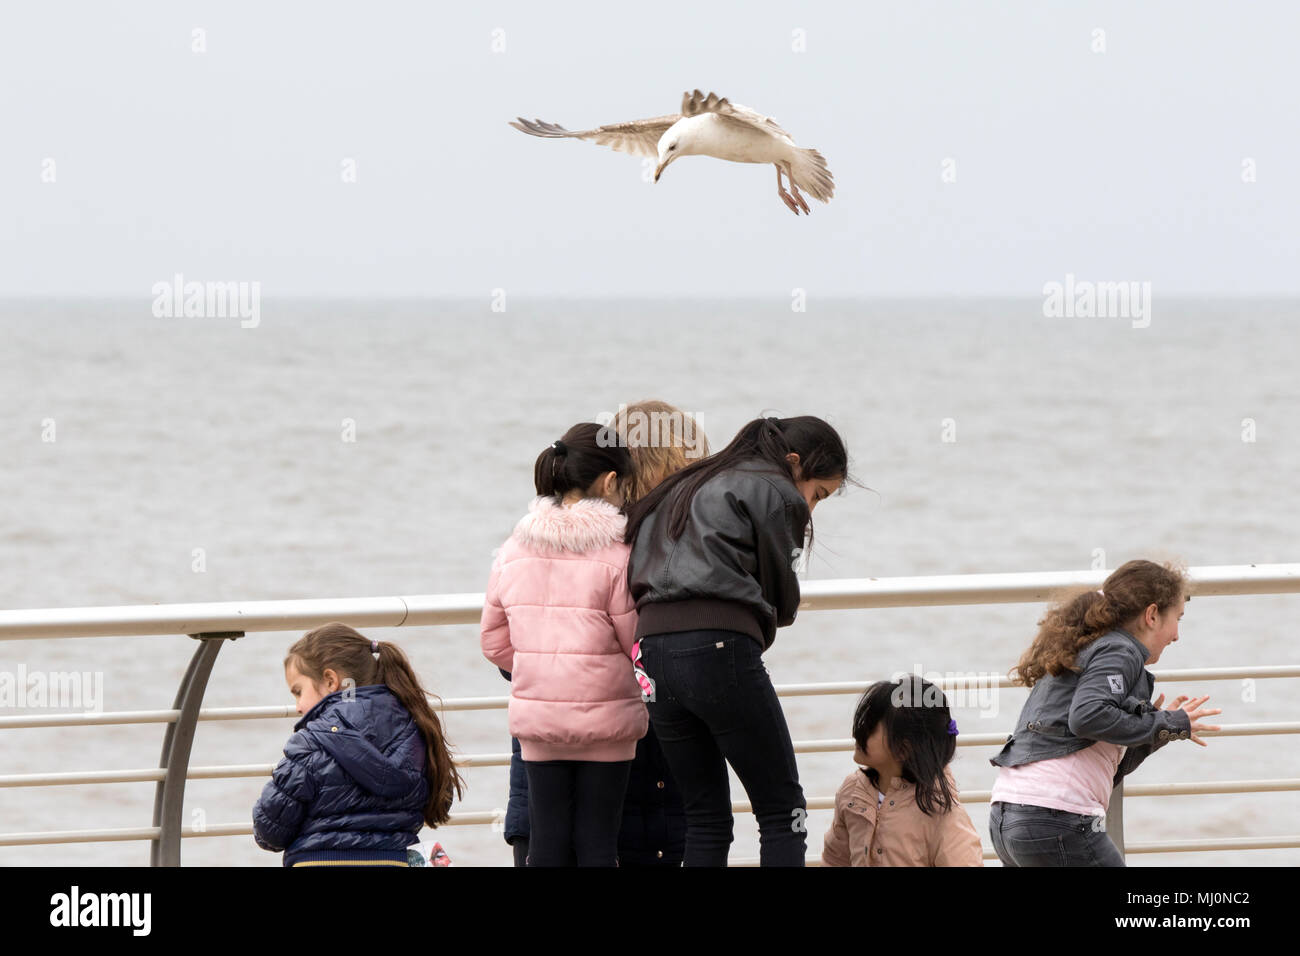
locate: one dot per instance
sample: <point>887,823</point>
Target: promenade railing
<point>213,624</point>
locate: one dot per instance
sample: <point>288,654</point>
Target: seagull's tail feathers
<point>541,128</point>
<point>811,174</point>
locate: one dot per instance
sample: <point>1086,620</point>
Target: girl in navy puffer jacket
<point>367,764</point>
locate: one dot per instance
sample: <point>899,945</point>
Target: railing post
<point>169,799</point>
<point>1115,817</point>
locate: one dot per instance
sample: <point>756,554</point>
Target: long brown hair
<point>346,652</point>
<point>1078,616</point>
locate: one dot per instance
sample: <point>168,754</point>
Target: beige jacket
<point>897,833</point>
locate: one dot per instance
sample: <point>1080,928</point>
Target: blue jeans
<point>714,704</point>
<point>1040,836</point>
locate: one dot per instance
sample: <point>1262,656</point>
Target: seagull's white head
<point>677,140</point>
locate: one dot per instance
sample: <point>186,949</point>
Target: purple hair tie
<point>952,727</point>
<point>374,647</point>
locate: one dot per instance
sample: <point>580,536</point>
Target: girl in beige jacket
<point>900,808</point>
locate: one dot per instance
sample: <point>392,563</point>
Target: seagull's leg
<point>798,197</point>
<point>785,196</point>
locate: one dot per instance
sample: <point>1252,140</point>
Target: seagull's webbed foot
<point>798,196</point>
<point>785,196</point>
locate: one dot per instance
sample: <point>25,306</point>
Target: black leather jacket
<point>1108,699</point>
<point>733,566</point>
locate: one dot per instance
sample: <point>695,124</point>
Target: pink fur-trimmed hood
<point>559,618</point>
<point>587,525</point>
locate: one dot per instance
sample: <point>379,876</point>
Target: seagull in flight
<point>710,126</point>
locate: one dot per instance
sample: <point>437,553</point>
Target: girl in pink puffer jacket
<point>559,618</point>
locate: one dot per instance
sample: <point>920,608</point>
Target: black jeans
<point>575,809</point>
<point>714,704</point>
<point>1040,836</point>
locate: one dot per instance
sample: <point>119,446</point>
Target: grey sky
<point>225,165</point>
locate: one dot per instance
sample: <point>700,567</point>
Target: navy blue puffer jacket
<point>352,783</point>
<point>654,818</point>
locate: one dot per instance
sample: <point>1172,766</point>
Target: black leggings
<point>575,810</point>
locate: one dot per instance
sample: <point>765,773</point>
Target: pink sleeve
<point>959,844</point>
<point>835,847</point>
<point>494,628</point>
<point>622,611</point>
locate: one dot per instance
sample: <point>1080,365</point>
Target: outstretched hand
<point>1192,705</point>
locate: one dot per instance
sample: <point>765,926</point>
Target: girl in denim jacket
<point>1089,719</point>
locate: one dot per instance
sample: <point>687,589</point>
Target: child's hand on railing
<point>1190,704</point>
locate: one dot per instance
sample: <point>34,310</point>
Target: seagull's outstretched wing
<point>638,137</point>
<point>695,102</point>
<point>809,167</point>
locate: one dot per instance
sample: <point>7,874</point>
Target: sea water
<point>361,448</point>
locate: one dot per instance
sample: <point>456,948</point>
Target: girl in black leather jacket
<point>715,550</point>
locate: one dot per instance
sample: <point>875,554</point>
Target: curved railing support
<point>169,799</point>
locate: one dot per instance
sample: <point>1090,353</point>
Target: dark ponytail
<point>341,649</point>
<point>586,452</point>
<point>821,456</point>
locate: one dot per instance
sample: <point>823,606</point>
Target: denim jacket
<point>1107,697</point>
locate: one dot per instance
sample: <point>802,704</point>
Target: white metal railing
<point>215,621</point>
<point>78,778</point>
<point>282,711</point>
<point>439,609</point>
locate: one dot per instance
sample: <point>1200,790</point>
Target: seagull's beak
<point>659,169</point>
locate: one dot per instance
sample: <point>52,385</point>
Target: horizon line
<point>604,297</point>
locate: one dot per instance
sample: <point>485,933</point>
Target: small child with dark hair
<point>901,808</point>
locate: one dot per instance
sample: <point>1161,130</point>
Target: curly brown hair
<point>1079,616</point>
